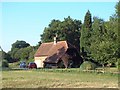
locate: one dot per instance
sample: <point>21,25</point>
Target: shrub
<point>118,64</point>
<point>87,65</point>
<point>30,60</point>
<point>5,63</point>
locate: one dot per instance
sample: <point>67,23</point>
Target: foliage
<point>98,39</point>
<point>69,30</point>
<point>18,50</point>
<point>103,45</point>
<point>5,63</point>
<point>6,56</point>
<point>86,33</point>
<point>20,44</point>
<point>104,40</point>
<point>87,65</point>
<point>88,20</point>
<point>118,25</point>
<point>118,64</point>
<point>12,53</point>
<point>14,65</point>
<point>22,51</point>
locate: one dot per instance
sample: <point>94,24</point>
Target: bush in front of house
<point>5,63</point>
<point>87,65</point>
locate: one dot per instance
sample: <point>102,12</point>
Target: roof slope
<point>55,56</point>
<point>43,49</point>
<point>51,49</point>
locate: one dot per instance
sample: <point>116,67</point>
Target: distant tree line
<point>95,39</point>
<point>20,51</point>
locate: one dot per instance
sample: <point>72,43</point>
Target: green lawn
<point>57,78</point>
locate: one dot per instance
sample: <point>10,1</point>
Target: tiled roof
<point>51,49</point>
<point>55,56</point>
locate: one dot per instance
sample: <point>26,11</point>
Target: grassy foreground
<point>57,79</point>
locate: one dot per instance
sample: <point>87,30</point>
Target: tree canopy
<point>86,33</point>
<point>69,30</point>
<point>20,44</point>
<point>22,51</point>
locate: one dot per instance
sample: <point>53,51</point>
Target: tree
<point>86,34</point>
<point>17,50</point>
<point>12,54</point>
<point>20,44</point>
<point>103,43</point>
<point>118,25</point>
<point>88,20</point>
<point>5,56</point>
<point>69,30</point>
<point>72,31</point>
<point>23,53</point>
<point>5,63</point>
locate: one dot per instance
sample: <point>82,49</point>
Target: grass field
<point>57,78</point>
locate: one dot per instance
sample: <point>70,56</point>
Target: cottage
<point>57,54</point>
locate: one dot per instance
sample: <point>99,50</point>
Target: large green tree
<point>118,25</point>
<point>103,43</point>
<point>86,34</point>
<point>68,29</point>
<point>15,52</point>
<point>23,53</point>
<point>20,44</point>
<point>105,39</point>
<point>51,30</point>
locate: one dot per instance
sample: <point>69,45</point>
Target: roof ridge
<point>47,43</point>
<point>53,42</point>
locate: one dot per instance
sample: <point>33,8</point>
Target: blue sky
<point>27,20</point>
